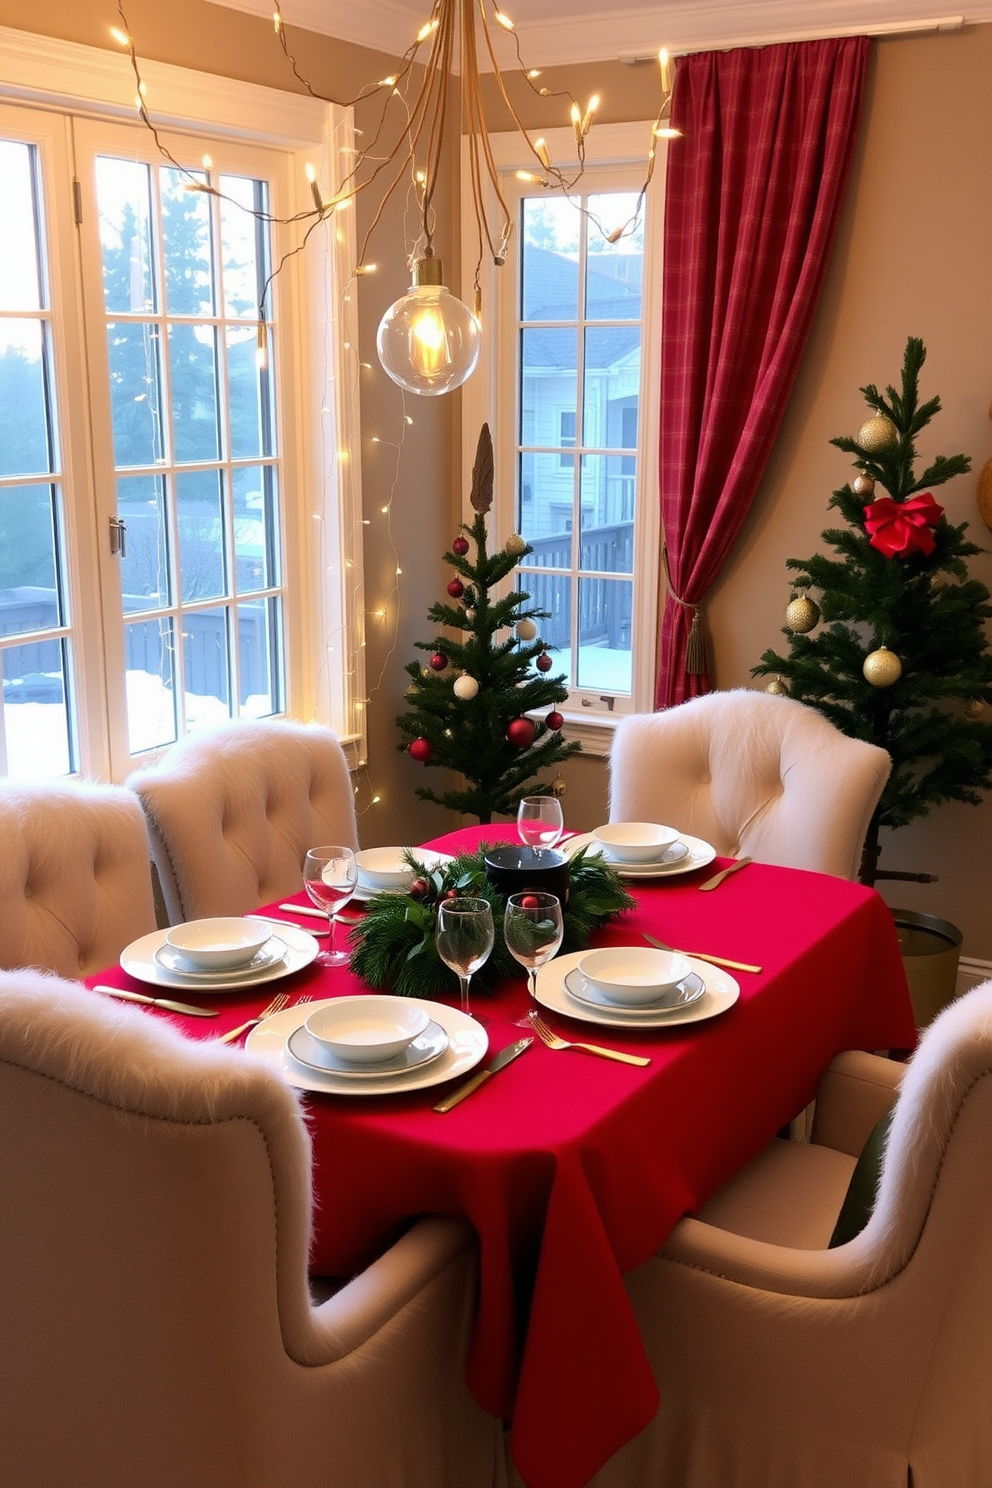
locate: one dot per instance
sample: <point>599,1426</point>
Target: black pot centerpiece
<point>517,869</point>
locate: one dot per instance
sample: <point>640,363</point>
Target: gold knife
<point>702,956</point>
<point>162,1002</point>
<point>502,1059</point>
<point>718,878</point>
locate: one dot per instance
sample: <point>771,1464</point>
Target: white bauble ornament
<point>466,688</point>
<point>470,616</point>
<point>526,630</point>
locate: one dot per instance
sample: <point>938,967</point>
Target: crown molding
<point>589,31</point>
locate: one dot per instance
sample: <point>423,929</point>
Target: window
<point>160,482</point>
<point>572,402</point>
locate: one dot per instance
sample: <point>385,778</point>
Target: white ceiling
<point>566,31</point>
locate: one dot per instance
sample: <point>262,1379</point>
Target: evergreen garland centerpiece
<point>901,655</point>
<point>394,943</point>
<point>488,672</point>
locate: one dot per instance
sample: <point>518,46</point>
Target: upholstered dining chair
<point>75,875</point>
<point>232,811</point>
<point>786,1362</point>
<point>751,774</point>
<point>156,1322</point>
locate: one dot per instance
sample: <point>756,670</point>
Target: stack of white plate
<point>643,849</point>
<point>249,952</point>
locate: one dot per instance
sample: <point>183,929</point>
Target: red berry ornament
<point>450,894</point>
<point>421,749</point>
<point>438,661</point>
<point>456,588</point>
<point>530,901</point>
<point>544,662</point>
<point>419,888</point>
<point>460,546</point>
<point>520,733</point>
<point>555,720</point>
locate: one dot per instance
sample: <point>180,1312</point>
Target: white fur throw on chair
<point>751,774</point>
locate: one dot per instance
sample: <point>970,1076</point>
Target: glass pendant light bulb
<point>428,341</point>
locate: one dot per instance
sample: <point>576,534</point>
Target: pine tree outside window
<point>172,541</point>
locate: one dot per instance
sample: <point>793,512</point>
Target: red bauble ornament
<point>438,661</point>
<point>419,888</point>
<point>520,733</point>
<point>460,546</point>
<point>421,749</point>
<point>555,720</point>
<point>544,662</point>
<point>530,901</point>
<point>456,588</point>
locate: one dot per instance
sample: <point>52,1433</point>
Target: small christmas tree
<point>470,703</point>
<point>902,658</point>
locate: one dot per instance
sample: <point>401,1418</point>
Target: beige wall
<point>912,258</point>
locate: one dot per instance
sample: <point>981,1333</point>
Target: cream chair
<point>782,1363</point>
<point>157,1327</point>
<point>75,876</point>
<point>231,813</point>
<point>752,774</point>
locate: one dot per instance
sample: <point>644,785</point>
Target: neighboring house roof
<point>551,291</point>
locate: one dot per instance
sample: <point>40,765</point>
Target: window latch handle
<point>118,537</point>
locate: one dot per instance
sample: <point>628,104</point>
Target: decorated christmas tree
<point>487,672</point>
<point>893,648</point>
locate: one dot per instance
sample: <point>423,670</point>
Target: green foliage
<point>394,944</point>
<point>470,736</point>
<point>923,607</point>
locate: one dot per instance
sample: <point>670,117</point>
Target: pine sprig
<point>394,943</point>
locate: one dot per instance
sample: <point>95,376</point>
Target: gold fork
<point>552,1040</point>
<point>275,1006</point>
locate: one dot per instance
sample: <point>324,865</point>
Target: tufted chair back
<point>231,813</point>
<point>75,876</point>
<point>752,774</point>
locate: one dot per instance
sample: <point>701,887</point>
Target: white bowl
<point>384,868</point>
<point>221,944</point>
<point>632,975</point>
<point>367,1029</point>
<point>636,842</point>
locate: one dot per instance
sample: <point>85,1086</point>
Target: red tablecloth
<point>574,1170</point>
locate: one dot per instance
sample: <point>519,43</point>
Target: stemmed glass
<point>464,938</point>
<point>330,875</point>
<point>539,821</point>
<point>533,930</point>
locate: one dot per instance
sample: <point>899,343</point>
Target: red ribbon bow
<point>898,528</point>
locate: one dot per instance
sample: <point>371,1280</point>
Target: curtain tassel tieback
<point>696,661</point>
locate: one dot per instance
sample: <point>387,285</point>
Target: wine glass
<point>539,821</point>
<point>330,875</point>
<point>464,940</point>
<point>533,930</point>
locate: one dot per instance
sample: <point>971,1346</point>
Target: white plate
<point>428,1046</point>
<point>138,960</point>
<point>720,994</point>
<point>170,960</point>
<point>699,855</point>
<point>584,991</point>
<point>431,860</point>
<point>467,1044</point>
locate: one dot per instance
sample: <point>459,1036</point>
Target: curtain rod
<point>775,38</point>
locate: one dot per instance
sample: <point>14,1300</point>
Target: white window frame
<point>491,394</point>
<point>325,657</point>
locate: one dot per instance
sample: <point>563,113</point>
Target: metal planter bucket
<point>931,948</point>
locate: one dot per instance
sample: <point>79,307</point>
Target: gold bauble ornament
<point>877,434</point>
<point>777,688</point>
<point>558,787</point>
<point>863,485</point>
<point>802,614</point>
<point>515,545</point>
<point>975,710</point>
<point>882,667</point>
<point>526,629</point>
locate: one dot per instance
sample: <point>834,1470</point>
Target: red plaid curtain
<point>753,195</point>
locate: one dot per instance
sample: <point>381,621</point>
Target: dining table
<point>574,1169</point>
